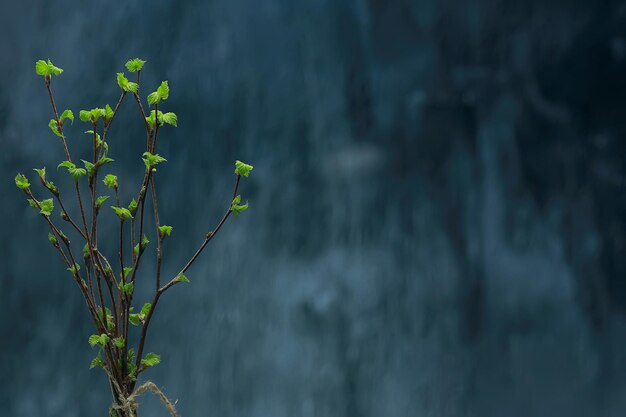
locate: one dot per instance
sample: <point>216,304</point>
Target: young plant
<point>108,287</point>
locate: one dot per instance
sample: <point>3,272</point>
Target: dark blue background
<point>437,222</point>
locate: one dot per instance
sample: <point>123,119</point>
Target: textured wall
<point>437,211</point>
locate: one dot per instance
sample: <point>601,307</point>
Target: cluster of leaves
<point>112,335</point>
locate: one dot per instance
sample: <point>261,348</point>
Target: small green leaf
<point>145,310</point>
<point>53,70</point>
<point>86,251</point>
<point>104,160</point>
<point>170,118</point>
<point>122,213</point>
<point>134,319</point>
<point>127,270</point>
<point>163,91</point>
<point>242,169</point>
<point>97,361</point>
<point>108,113</point>
<point>85,116</point>
<point>32,203</point>
<point>41,172</point>
<point>153,98</point>
<point>47,206</point>
<point>46,68</point>
<point>96,114</point>
<point>110,181</point>
<point>127,288</point>
<point>182,278</point>
<point>91,168</point>
<point>136,249</point>
<point>132,87</point>
<point>101,200</point>
<point>236,207</point>
<point>76,173</point>
<point>135,64</point>
<point>53,188</point>
<point>99,340</point>
<point>151,359</point>
<point>109,317</point>
<point>22,182</point>
<point>53,125</point>
<point>67,114</point>
<point>132,207</point>
<point>122,81</point>
<point>151,160</point>
<point>41,67</point>
<point>119,342</point>
<point>74,269</point>
<point>52,239</point>
<point>165,231</point>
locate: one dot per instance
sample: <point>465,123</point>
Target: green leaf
<point>108,113</point>
<point>22,182</point>
<point>91,168</point>
<point>127,270</point>
<point>135,64</point>
<point>53,188</point>
<point>41,172</point>
<point>32,203</point>
<point>104,160</point>
<point>165,231</point>
<point>52,239</point>
<point>101,200</point>
<point>132,368</point>
<point>182,278</point>
<point>122,81</point>
<point>96,114</point>
<point>74,269</point>
<point>134,319</point>
<point>132,87</point>
<point>86,251</point>
<point>67,114</point>
<point>47,206</point>
<point>53,70</point>
<point>126,85</point>
<point>97,361</point>
<point>144,243</point>
<point>145,310</point>
<point>85,116</point>
<point>132,207</point>
<point>122,213</point>
<point>99,340</point>
<point>236,207</point>
<point>110,181</point>
<point>41,67</point>
<point>163,91</point>
<point>127,288</point>
<point>242,169</point>
<point>119,342</point>
<point>153,98</point>
<point>53,125</point>
<point>151,160</point>
<point>151,359</point>
<point>46,68</point>
<point>76,173</point>
<point>170,118</point>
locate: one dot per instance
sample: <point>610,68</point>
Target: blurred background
<point>437,210</point>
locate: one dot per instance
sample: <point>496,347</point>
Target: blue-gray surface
<point>437,222</point>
